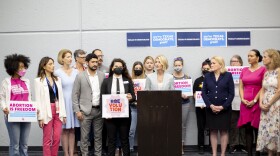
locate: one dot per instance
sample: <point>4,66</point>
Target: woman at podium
<point>160,80</point>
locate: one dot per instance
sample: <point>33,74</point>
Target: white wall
<point>39,28</point>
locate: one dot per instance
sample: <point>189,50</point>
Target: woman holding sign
<point>178,74</point>
<point>218,93</point>
<point>200,110</point>
<point>16,88</point>
<point>118,82</point>
<point>49,97</point>
<point>138,76</point>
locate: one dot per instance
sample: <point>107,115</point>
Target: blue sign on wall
<point>163,39</point>
<point>213,39</point>
<point>188,39</point>
<point>238,38</point>
<point>138,39</point>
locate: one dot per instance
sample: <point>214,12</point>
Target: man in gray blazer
<point>86,104</point>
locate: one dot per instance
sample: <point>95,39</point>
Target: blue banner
<point>163,39</point>
<point>213,39</point>
<point>188,39</point>
<point>138,39</point>
<point>238,38</point>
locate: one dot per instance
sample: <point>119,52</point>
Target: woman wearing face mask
<point>179,75</point>
<point>118,75</point>
<point>200,111</point>
<point>49,97</point>
<point>149,64</point>
<point>16,88</point>
<point>160,80</point>
<point>137,73</point>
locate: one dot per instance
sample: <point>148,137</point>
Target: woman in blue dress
<point>67,75</point>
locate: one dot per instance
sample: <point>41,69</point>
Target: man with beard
<point>100,56</point>
<point>86,104</point>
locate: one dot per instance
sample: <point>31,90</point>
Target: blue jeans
<point>132,126</point>
<point>18,134</point>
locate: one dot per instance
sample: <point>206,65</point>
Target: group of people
<point>69,101</point>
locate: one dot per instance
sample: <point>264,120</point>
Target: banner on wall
<point>138,39</point>
<point>163,39</point>
<point>115,106</point>
<point>235,71</point>
<point>188,39</point>
<point>22,111</point>
<point>198,99</point>
<point>238,38</point>
<point>214,39</point>
<point>184,85</point>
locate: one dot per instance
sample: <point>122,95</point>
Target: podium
<point>159,123</point>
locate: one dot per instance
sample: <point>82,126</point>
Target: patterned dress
<point>269,129</point>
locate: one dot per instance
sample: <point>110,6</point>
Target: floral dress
<point>269,128</point>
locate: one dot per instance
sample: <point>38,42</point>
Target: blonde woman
<point>149,64</point>
<point>218,93</point>
<point>160,80</point>
<point>67,75</point>
<point>49,97</point>
<point>269,129</point>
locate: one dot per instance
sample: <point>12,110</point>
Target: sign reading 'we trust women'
<point>22,111</point>
<point>115,106</point>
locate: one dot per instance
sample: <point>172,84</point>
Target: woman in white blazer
<point>16,88</point>
<point>49,97</point>
<point>160,80</point>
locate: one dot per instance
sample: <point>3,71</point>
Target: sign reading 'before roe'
<point>115,106</point>
<point>213,39</point>
<point>163,39</point>
<point>22,111</point>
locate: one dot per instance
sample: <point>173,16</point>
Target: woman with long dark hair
<point>50,100</point>
<point>118,82</point>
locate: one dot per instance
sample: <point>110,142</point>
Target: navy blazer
<point>128,87</point>
<point>218,93</point>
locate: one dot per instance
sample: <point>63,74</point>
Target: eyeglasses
<point>82,57</point>
<point>99,55</point>
<point>178,59</point>
<point>206,69</point>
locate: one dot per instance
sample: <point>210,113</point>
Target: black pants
<point>201,120</point>
<point>121,125</point>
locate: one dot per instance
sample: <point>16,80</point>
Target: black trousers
<point>201,121</point>
<point>121,125</point>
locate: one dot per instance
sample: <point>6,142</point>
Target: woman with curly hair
<point>16,88</point>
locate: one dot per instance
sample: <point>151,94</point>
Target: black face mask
<point>138,72</point>
<point>118,71</point>
<point>205,72</point>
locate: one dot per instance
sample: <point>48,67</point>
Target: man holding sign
<point>86,104</point>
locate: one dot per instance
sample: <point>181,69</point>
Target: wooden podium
<point>159,123</point>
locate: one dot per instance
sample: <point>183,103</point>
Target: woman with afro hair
<point>16,88</point>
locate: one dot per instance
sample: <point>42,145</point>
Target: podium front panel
<point>159,123</point>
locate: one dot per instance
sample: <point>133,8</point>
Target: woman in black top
<point>200,111</point>
<point>118,73</point>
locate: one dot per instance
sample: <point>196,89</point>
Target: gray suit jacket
<point>82,92</point>
<point>151,82</point>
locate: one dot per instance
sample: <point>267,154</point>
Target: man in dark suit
<point>86,104</point>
